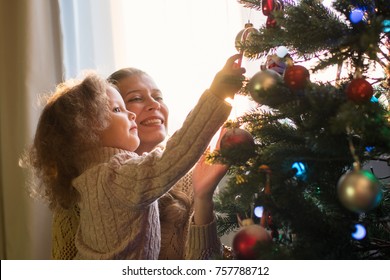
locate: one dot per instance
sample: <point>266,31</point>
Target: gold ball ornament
<point>245,35</point>
<point>359,191</point>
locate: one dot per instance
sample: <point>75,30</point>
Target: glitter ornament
<point>359,90</point>
<point>246,239</point>
<point>359,191</point>
<point>237,145</point>
<point>296,77</point>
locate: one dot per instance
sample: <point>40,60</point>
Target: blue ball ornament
<point>356,15</point>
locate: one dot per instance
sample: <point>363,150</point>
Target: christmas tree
<point>299,178</point>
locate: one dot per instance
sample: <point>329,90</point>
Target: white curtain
<point>31,64</point>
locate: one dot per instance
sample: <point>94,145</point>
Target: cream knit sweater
<point>188,241</point>
<point>119,216</point>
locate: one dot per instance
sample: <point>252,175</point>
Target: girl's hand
<point>229,80</point>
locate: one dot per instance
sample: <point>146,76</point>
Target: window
<point>181,44</point>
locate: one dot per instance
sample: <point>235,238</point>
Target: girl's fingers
<point>231,60</point>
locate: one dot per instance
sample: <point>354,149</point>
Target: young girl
<point>83,152</point>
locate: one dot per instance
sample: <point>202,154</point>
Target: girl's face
<point>122,130</point>
<point>142,96</point>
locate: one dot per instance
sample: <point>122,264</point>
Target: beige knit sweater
<point>119,217</point>
<point>188,241</point>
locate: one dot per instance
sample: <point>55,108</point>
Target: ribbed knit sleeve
<point>203,242</point>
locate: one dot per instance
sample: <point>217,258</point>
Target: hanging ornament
<point>267,171</point>
<point>281,51</point>
<point>359,90</point>
<point>261,83</point>
<point>356,15</point>
<point>245,35</point>
<point>296,77</point>
<point>267,6</point>
<point>359,191</point>
<point>275,63</point>
<point>248,238</point>
<point>237,145</point>
<point>270,22</point>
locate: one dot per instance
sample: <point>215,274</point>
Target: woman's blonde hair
<point>69,125</point>
<point>174,205</point>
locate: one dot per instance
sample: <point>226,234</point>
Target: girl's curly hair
<point>68,126</point>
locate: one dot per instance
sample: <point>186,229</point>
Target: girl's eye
<point>116,109</point>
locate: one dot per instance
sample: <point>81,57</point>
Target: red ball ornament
<point>359,90</point>
<point>267,6</point>
<point>296,77</point>
<point>237,145</point>
<point>245,241</point>
<point>271,22</point>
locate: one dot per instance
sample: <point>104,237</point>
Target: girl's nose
<point>131,116</point>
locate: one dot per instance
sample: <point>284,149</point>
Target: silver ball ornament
<point>261,82</point>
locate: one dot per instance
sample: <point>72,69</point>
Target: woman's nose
<point>153,105</point>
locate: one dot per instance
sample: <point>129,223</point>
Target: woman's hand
<point>205,179</point>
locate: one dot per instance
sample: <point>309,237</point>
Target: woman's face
<point>142,96</point>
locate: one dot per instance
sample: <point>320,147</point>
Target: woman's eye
<point>117,110</point>
<point>158,98</point>
<point>134,99</point>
